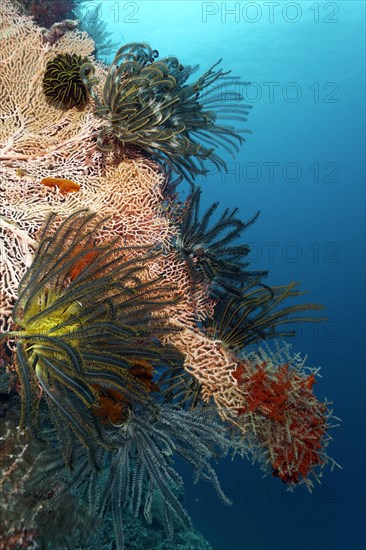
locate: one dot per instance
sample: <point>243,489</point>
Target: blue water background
<point>311,229</point>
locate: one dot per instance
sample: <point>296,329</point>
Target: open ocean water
<point>303,167</point>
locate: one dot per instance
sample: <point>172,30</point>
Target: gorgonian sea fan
<point>85,326</point>
<point>149,103</point>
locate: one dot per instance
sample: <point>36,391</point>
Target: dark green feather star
<point>149,103</point>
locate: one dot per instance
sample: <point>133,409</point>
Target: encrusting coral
<point>129,316</point>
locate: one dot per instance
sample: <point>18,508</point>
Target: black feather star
<point>209,249</point>
<point>62,84</point>
<point>258,314</point>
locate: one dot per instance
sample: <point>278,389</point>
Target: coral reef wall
<point>93,327</point>
<point>44,148</point>
<point>39,141</point>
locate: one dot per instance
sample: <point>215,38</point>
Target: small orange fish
<point>65,186</point>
